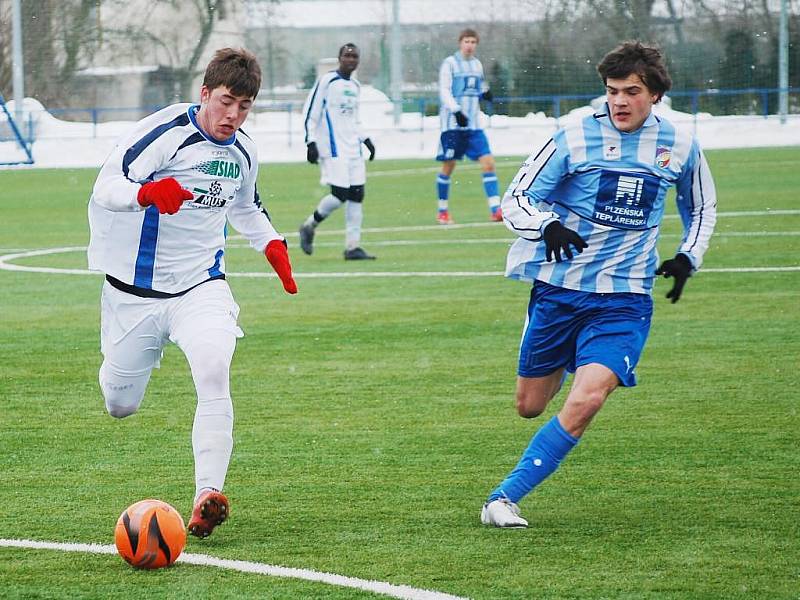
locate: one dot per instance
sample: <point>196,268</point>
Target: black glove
<point>312,154</point>
<point>461,119</point>
<point>487,95</point>
<point>558,238</point>
<point>371,147</point>
<point>680,268</point>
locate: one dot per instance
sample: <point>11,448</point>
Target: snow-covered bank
<point>279,135</point>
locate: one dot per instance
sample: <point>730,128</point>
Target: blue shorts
<point>453,144</point>
<point>568,328</point>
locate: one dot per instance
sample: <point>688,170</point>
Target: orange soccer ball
<point>150,534</point>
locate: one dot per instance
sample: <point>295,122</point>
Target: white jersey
<point>331,116</point>
<point>172,253</point>
<point>461,86</point>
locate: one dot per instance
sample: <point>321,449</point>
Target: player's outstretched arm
<point>680,269</point>
<point>278,257</point>
<point>166,194</point>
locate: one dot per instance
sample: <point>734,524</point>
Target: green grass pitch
<point>374,414</point>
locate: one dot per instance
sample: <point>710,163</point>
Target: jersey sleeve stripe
<point>535,168</point>
<point>334,153</point>
<point>311,106</point>
<point>134,151</point>
<point>238,144</point>
<point>195,138</point>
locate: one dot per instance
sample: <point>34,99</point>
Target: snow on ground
<point>279,134</point>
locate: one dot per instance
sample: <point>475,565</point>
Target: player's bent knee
<point>530,405</point>
<point>527,412</point>
<point>121,402</point>
<point>119,411</point>
<point>122,394</point>
<point>585,404</point>
<point>213,378</point>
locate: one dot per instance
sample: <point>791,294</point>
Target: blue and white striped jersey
<point>460,87</point>
<point>172,253</point>
<point>331,116</point>
<point>610,187</point>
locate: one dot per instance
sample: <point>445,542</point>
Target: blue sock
<point>443,186</point>
<point>547,449</point>
<point>490,184</point>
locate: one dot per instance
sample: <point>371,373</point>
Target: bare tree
<point>207,12</point>
<point>626,18</point>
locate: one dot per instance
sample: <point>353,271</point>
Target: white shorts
<point>134,330</point>
<point>342,171</point>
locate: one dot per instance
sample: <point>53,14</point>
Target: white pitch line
<point>4,265</point>
<point>457,226</point>
<point>508,240</point>
<point>245,566</point>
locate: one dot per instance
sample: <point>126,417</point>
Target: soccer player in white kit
<point>158,216</point>
<point>334,138</point>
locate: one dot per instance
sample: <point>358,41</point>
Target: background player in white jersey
<point>461,87</point>
<point>158,215</point>
<point>334,138</point>
<point>596,192</point>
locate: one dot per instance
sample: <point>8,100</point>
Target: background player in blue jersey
<point>158,217</point>
<point>334,138</point>
<point>461,87</point>
<point>587,208</point>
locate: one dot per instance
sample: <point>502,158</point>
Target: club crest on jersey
<point>612,152</point>
<point>210,198</point>
<point>663,156</point>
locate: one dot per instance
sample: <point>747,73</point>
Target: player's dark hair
<point>346,46</point>
<point>634,57</point>
<point>469,33</point>
<point>236,69</point>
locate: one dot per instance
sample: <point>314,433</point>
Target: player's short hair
<point>469,33</point>
<point>634,57</point>
<point>236,69</point>
<point>347,46</point>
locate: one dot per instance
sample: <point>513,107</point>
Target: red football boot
<point>210,510</point>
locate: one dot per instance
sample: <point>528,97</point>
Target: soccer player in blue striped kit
<point>158,216</point>
<point>461,88</point>
<point>587,208</point>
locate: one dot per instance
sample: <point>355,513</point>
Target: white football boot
<point>502,513</point>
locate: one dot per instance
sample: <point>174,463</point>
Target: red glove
<point>167,194</point>
<point>278,257</point>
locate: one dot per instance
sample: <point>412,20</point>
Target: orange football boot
<point>210,510</point>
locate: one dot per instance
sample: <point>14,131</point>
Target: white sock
<point>353,217</point>
<point>326,206</point>
<point>212,442</point>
